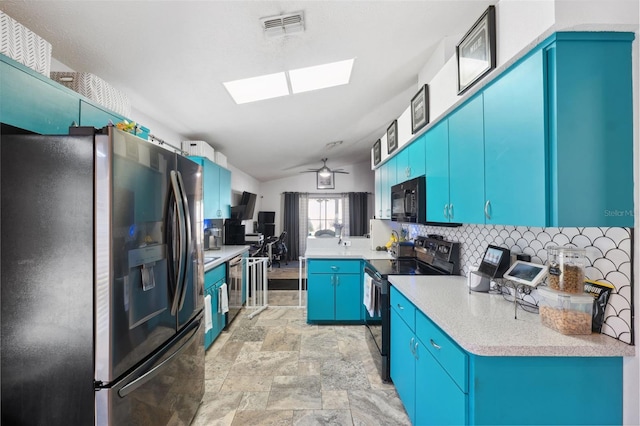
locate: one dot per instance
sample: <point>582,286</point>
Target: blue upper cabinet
<point>437,172</point>
<point>466,163</point>
<point>590,129</point>
<point>515,148</point>
<point>33,102</point>
<point>216,189</point>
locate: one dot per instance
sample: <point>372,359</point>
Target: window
<point>325,216</point>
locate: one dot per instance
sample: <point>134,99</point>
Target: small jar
<point>566,269</point>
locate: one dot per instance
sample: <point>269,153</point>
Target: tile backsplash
<point>608,250</point>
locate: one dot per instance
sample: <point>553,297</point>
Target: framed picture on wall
<point>325,182</point>
<point>392,137</point>
<point>476,52</point>
<point>420,109</point>
<point>376,152</point>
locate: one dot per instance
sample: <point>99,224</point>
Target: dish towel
<point>223,299</point>
<point>369,296</point>
<point>208,317</point>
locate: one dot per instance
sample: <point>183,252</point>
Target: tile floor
<point>276,369</point>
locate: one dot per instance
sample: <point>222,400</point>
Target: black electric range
<point>432,256</point>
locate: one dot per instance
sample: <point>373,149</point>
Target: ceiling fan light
<point>324,172</point>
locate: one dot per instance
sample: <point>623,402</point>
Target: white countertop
<point>328,248</point>
<point>225,254</point>
<point>484,324</point>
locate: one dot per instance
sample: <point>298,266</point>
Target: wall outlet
<point>346,244</point>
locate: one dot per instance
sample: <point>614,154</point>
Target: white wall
<point>359,179</point>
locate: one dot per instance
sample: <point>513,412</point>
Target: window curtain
<point>292,223</point>
<point>303,227</point>
<point>358,214</point>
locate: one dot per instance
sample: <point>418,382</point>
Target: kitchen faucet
<point>340,236</point>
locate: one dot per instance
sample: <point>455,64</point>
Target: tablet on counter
<point>526,273</point>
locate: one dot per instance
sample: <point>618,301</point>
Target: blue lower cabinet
<point>403,363</point>
<point>440,383</point>
<point>213,279</point>
<point>441,401</point>
<point>334,291</point>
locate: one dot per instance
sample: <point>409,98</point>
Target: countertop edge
<point>225,254</point>
<point>594,345</point>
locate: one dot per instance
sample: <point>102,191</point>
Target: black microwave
<point>408,201</point>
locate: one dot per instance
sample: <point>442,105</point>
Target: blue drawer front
<point>451,357</point>
<point>405,309</point>
<point>327,266</point>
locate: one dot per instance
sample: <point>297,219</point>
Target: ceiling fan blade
<point>339,171</point>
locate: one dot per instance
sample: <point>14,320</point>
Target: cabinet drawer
<point>328,266</point>
<point>452,358</point>
<point>405,309</point>
<point>219,273</point>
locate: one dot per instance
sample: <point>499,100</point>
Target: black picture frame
<point>392,137</point>
<point>476,52</point>
<point>420,109</point>
<point>325,182</point>
<point>377,152</point>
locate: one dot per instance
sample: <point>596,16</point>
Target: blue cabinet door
<point>402,165</point>
<point>437,172</point>
<point>403,365</point>
<point>591,129</point>
<point>515,147</point>
<point>33,102</point>
<point>225,193</point>
<point>320,297</point>
<point>417,163</point>
<point>388,177</point>
<point>466,163</point>
<point>378,193</point>
<point>440,400</point>
<point>348,289</point>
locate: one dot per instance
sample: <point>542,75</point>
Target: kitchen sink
<point>209,259</point>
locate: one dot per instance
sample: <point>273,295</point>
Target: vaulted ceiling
<point>171,58</point>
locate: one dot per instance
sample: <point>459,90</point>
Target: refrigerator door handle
<point>141,380</point>
<point>186,249</point>
<point>179,279</point>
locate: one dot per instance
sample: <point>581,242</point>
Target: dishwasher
<point>234,286</point>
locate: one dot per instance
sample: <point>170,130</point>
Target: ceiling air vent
<point>283,24</point>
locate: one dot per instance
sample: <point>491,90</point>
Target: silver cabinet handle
<point>415,351</point>
<point>445,212</point>
<point>334,268</point>
<point>487,207</point>
<point>400,306</point>
<point>450,211</point>
<point>434,344</point>
<point>337,279</point>
<point>411,345</point>
<point>408,171</point>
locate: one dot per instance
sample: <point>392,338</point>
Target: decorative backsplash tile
<point>608,250</point>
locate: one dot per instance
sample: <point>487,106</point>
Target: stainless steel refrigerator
<point>101,281</point>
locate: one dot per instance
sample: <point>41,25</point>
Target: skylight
<point>300,80</point>
<point>320,76</point>
<point>258,88</point>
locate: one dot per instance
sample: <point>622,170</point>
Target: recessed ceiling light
<point>258,88</point>
<point>320,76</point>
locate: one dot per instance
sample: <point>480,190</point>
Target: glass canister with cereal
<point>567,313</point>
<point>566,268</point>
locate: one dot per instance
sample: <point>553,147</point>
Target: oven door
<point>378,337</point>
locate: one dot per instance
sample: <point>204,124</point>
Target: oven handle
<point>372,272</point>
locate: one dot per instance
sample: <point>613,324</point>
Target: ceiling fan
<point>325,171</point>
